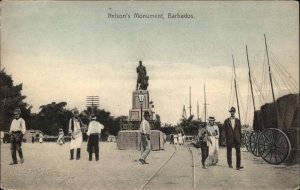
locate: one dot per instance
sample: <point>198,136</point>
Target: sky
<point>65,51</point>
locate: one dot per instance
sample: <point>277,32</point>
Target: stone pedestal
<point>135,99</point>
<point>131,140</point>
<point>135,112</point>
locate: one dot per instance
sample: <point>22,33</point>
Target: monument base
<point>131,139</point>
<point>137,106</point>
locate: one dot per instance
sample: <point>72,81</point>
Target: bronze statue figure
<point>142,80</point>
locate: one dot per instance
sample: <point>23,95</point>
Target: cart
<point>273,139</point>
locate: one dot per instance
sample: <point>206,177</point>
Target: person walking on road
<point>233,130</point>
<point>175,139</point>
<point>145,138</point>
<point>180,139</point>
<point>172,138</point>
<point>203,140</point>
<point>32,138</point>
<point>213,146</point>
<point>75,126</point>
<point>17,131</point>
<point>94,132</point>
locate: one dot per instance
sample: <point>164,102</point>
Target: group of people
<point>76,128</point>
<point>208,138</point>
<point>209,141</point>
<point>177,139</point>
<point>40,137</point>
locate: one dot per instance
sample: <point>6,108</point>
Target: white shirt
<point>213,130</point>
<point>232,120</point>
<point>94,128</point>
<point>18,125</point>
<point>76,124</point>
<point>145,127</point>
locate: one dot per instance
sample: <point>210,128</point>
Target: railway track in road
<point>164,167</point>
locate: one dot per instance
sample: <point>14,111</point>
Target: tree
<point>111,124</point>
<point>10,99</point>
<point>167,129</point>
<point>52,117</point>
<point>188,125</point>
<point>157,123</point>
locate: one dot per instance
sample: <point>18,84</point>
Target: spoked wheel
<point>275,145</point>
<point>247,141</point>
<point>254,143</point>
<point>243,141</point>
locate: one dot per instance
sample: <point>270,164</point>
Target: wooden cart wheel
<point>243,139</point>
<point>247,141</point>
<point>254,143</point>
<point>275,145</point>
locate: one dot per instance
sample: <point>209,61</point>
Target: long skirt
<point>213,151</point>
<point>180,140</point>
<point>175,140</point>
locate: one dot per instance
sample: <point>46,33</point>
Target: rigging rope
<point>285,79</point>
<point>284,69</point>
<point>286,85</point>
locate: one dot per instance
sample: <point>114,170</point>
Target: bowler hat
<point>232,109</point>
<point>211,119</point>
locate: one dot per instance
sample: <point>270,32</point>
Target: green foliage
<point>10,99</point>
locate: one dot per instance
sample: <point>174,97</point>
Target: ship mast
<point>205,111</point>
<point>190,101</point>
<point>183,112</point>
<point>198,110</point>
<point>270,75</point>
<point>237,97</point>
<point>250,79</point>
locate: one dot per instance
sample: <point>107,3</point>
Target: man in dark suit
<point>233,130</point>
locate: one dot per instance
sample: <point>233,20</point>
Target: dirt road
<point>47,166</point>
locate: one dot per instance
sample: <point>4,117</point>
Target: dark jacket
<point>233,136</point>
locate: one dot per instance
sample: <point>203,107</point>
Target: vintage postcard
<point>149,95</point>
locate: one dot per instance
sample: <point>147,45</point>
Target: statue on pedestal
<point>142,80</point>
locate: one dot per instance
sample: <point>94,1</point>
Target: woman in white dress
<point>75,125</point>
<point>180,139</point>
<point>213,146</point>
<point>175,139</point>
